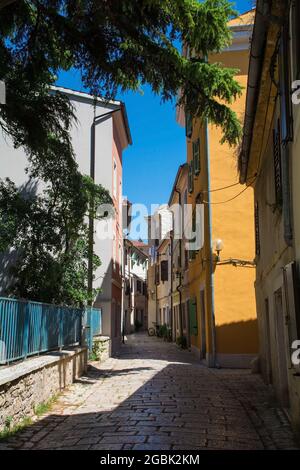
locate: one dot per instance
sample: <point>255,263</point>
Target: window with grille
<point>257,234</point>
<point>277,164</point>
<point>196,156</point>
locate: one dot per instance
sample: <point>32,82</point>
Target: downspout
<point>212,363</point>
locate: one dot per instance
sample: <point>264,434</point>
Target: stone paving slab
<point>157,397</point>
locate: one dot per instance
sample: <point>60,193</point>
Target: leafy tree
<point>116,45</point>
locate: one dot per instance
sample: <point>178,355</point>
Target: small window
<point>196,156</point>
<point>257,230</point>
<point>139,286</point>
<point>277,164</point>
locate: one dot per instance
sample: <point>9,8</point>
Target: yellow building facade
<point>222,310</point>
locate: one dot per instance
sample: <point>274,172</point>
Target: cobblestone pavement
<point>157,397</point>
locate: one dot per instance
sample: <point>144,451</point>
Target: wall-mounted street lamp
<point>219,245</point>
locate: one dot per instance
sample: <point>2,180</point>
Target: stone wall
<point>29,383</point>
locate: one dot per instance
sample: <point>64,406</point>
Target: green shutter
<point>196,156</point>
<point>193,317</point>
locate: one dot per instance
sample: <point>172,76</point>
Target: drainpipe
<point>171,287</point>
<point>212,363</point>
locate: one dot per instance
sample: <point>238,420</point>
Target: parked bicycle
<point>154,330</point>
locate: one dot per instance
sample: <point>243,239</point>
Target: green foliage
<point>10,430</point>
<point>45,406</point>
<point>50,235</point>
<point>182,342</point>
<point>137,324</point>
<point>115,45</point>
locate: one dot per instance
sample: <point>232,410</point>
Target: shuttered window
<point>164,274</point>
<point>286,119</point>
<point>196,156</point>
<point>257,234</point>
<point>188,125</point>
<point>191,177</point>
<point>193,317</point>
<point>277,164</point>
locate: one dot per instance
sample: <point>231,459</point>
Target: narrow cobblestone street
<point>156,397</point>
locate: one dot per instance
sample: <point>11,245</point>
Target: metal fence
<point>93,324</point>
<point>28,328</point>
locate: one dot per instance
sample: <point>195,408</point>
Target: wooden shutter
<point>164,270</point>
<point>193,317</point>
<point>188,125</point>
<point>257,234</point>
<point>277,164</point>
<point>196,156</point>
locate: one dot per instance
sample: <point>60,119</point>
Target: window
<point>188,125</point>
<point>164,270</point>
<point>285,85</point>
<point>139,286</point>
<point>257,234</point>
<point>191,177</point>
<point>144,288</point>
<point>277,164</point>
<point>196,156</point>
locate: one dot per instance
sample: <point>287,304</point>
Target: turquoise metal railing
<point>28,328</point>
<point>93,322</point>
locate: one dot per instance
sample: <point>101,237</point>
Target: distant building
<point>221,301</point>
<point>135,286</point>
<point>112,136</point>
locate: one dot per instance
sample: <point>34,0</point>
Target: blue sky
<point>150,164</point>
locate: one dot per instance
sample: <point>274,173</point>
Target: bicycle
<point>154,330</point>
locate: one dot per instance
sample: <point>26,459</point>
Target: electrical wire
<point>234,197</point>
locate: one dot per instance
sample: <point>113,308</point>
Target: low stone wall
<point>29,383</point>
<point>102,348</point>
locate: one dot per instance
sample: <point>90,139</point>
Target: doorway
<point>282,375</point>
